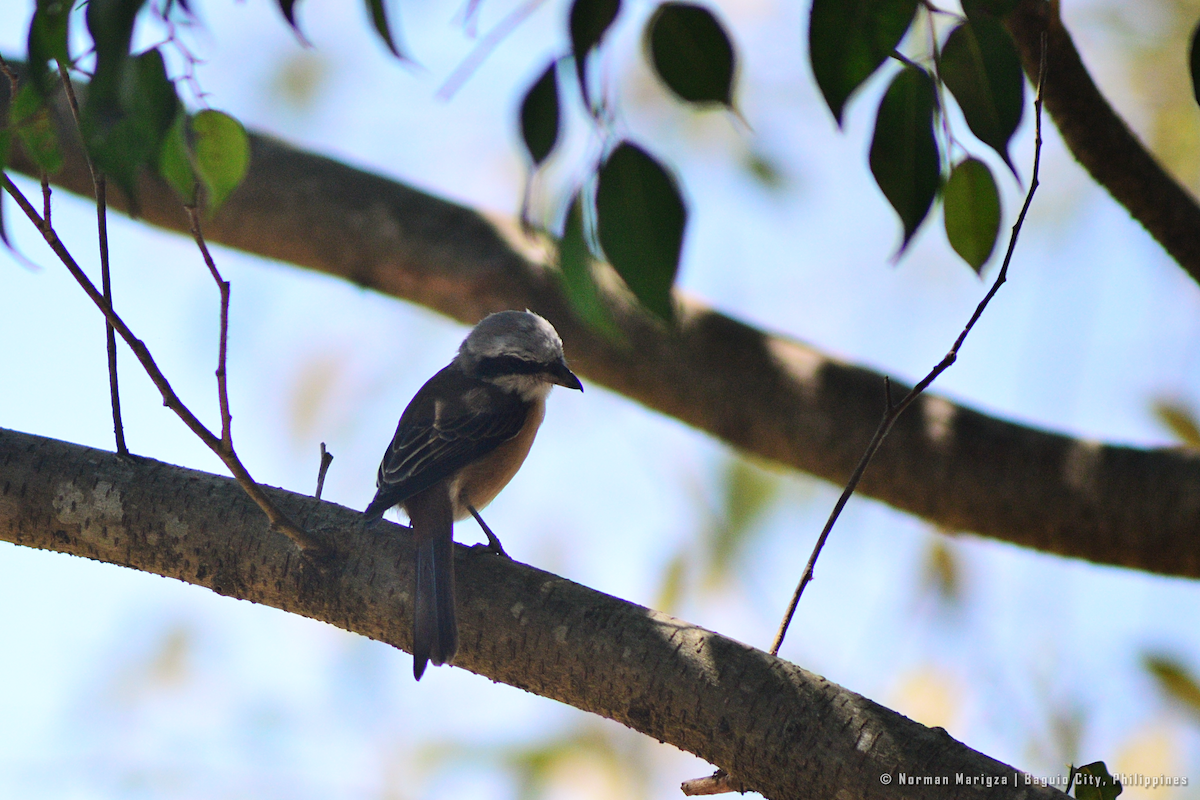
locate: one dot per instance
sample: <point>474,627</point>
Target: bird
<point>460,441</point>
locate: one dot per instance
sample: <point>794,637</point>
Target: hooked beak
<point>560,374</point>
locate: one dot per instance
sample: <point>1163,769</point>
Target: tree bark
<point>768,395</point>
<point>778,729</point>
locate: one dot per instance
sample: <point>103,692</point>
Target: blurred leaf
<point>640,223</point>
<point>1181,421</point>
<point>31,121</point>
<point>849,39</point>
<point>379,19</point>
<point>1092,782</point>
<point>1194,62</point>
<point>904,153</point>
<point>175,162</point>
<point>579,284</point>
<point>130,135</point>
<point>692,53</point>
<point>222,156</point>
<point>539,115</point>
<point>765,170</point>
<point>942,572</point>
<point>996,8</point>
<point>288,9</point>
<point>110,22</point>
<point>972,212</point>
<point>748,492</point>
<point>981,67</point>
<point>48,41</point>
<point>589,21</point>
<point>5,144</point>
<point>1175,680</point>
<point>673,584</point>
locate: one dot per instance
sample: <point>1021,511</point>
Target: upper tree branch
<point>765,394</point>
<point>1100,140</point>
<point>778,729</point>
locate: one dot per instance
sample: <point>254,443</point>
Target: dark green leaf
<point>110,22</point>
<point>972,212</point>
<point>579,284</point>
<point>31,121</point>
<point>1175,680</point>
<point>588,22</point>
<point>175,163</point>
<point>849,39</point>
<point>640,223</point>
<point>222,155</point>
<point>1092,782</point>
<point>48,41</point>
<point>995,8</point>
<point>539,115</point>
<point>692,53</point>
<point>904,153</point>
<point>1194,63</point>
<point>379,19</point>
<point>981,67</point>
<point>130,136</point>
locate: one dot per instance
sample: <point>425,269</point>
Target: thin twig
<point>485,47</point>
<point>100,184</point>
<point>279,521</point>
<point>223,346</point>
<point>326,460</point>
<point>893,412</point>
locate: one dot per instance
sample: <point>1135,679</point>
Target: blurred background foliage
<point>128,686</point>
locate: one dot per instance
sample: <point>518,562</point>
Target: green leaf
<point>379,19</point>
<point>129,136</point>
<point>1092,782</point>
<point>588,22</point>
<point>640,222</point>
<point>980,65</point>
<point>1175,680</point>
<point>904,153</point>
<point>48,40</point>
<point>33,126</point>
<point>1181,420</point>
<point>971,204</point>
<point>995,8</point>
<point>222,155</point>
<point>579,284</point>
<point>539,115</point>
<point>175,163</point>
<point>849,39</point>
<point>110,22</point>
<point>1194,62</point>
<point>692,53</point>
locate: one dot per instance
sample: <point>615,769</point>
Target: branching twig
<point>101,187</point>
<point>223,346</point>
<point>893,411</point>
<point>279,521</point>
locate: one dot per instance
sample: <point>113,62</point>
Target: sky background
<point>117,684</point>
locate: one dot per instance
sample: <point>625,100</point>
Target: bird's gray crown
<point>517,334</point>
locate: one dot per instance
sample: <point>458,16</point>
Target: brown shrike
<point>460,441</point>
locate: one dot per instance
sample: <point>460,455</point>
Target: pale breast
<point>480,482</point>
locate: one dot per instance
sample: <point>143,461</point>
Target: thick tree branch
<point>1100,140</point>
<point>777,728</point>
<point>765,394</point>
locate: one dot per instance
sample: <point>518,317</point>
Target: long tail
<point>435,629</point>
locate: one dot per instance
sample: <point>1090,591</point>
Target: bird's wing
<point>449,424</point>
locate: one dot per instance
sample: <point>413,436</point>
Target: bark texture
<point>779,729</point>
<point>765,394</point>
